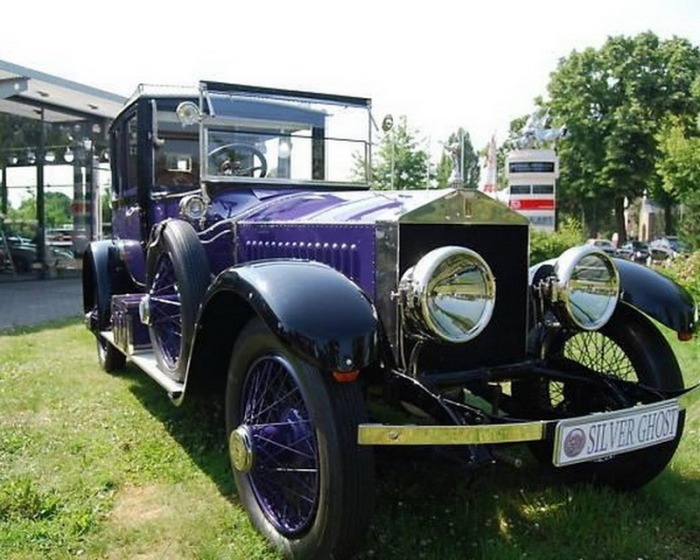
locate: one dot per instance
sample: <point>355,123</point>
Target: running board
<point>146,360</point>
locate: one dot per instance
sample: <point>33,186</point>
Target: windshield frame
<point>283,115</point>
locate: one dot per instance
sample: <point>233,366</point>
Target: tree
<point>400,162</point>
<point>679,169</point>
<point>56,209</point>
<point>613,102</point>
<point>460,140</point>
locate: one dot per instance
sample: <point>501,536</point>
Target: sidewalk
<point>32,302</point>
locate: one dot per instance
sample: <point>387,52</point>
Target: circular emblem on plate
<point>574,442</point>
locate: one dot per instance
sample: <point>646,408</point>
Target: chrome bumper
<point>384,434</point>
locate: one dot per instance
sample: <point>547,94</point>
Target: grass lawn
<point>100,466</point>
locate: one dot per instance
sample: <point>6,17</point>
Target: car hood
<point>460,206</point>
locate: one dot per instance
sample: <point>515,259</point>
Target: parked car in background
<point>604,245</point>
<point>636,251</point>
<point>25,255</point>
<point>669,244</point>
<point>252,262</point>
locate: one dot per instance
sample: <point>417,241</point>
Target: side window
<point>131,139</point>
<point>116,161</point>
<point>176,154</point>
<point>177,163</point>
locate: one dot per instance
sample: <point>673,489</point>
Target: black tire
<point>180,255</point>
<point>629,346</point>
<point>308,435</point>
<point>108,356</point>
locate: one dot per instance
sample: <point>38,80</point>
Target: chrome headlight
<point>587,287</point>
<point>193,206</point>
<point>449,295</point>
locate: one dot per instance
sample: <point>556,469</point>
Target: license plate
<point>611,433</point>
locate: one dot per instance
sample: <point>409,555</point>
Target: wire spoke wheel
<point>178,277</point>
<point>166,314</point>
<point>292,431</point>
<point>285,472</point>
<point>630,348</point>
<point>596,351</point>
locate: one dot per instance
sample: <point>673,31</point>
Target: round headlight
<point>450,294</point>
<point>193,206</point>
<point>587,288</point>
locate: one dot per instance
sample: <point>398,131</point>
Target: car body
<point>636,251</point>
<point>604,245</point>
<point>25,255</point>
<point>252,262</point>
<point>667,247</point>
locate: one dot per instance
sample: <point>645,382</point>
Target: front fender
<point>658,296</point>
<point>313,308</point>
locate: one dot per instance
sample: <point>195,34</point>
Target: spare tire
<point>178,277</point>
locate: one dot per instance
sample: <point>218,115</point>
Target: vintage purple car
<point>251,257</point>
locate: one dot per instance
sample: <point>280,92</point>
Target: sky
<point>443,64</point>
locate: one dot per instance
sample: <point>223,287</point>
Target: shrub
<point>686,271</point>
<point>546,245</point>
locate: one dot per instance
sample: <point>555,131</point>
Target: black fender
<point>134,258</point>
<point>658,296</point>
<point>103,275</point>
<point>320,314</point>
<point>646,290</point>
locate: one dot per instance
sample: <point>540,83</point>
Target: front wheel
<point>303,479</point>
<point>628,347</point>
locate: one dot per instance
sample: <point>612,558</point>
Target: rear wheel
<point>631,348</point>
<point>303,479</point>
<point>108,356</point>
<point>178,277</point>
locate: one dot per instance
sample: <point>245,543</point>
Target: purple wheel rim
<point>284,476</point>
<point>166,312</point>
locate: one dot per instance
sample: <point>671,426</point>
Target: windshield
<point>251,135</point>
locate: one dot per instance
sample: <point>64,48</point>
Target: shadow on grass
<point>198,426</point>
<point>437,510</point>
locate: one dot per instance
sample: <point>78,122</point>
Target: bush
<point>686,271</point>
<point>546,245</point>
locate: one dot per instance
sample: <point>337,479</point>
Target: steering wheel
<point>228,161</point>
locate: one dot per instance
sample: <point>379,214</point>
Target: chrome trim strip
<point>385,434</point>
<point>382,434</point>
<point>386,281</point>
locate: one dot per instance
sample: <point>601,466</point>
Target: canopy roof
<point>25,93</point>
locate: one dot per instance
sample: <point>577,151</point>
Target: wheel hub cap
<point>241,449</point>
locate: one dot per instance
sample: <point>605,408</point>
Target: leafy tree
<point>679,169</point>
<point>399,152</point>
<point>56,209</point>
<point>613,102</point>
<point>460,140</point>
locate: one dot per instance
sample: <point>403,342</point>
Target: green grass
<point>101,466</point>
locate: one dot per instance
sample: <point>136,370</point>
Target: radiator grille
<point>505,249</point>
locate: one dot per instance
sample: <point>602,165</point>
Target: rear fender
<point>104,274</point>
